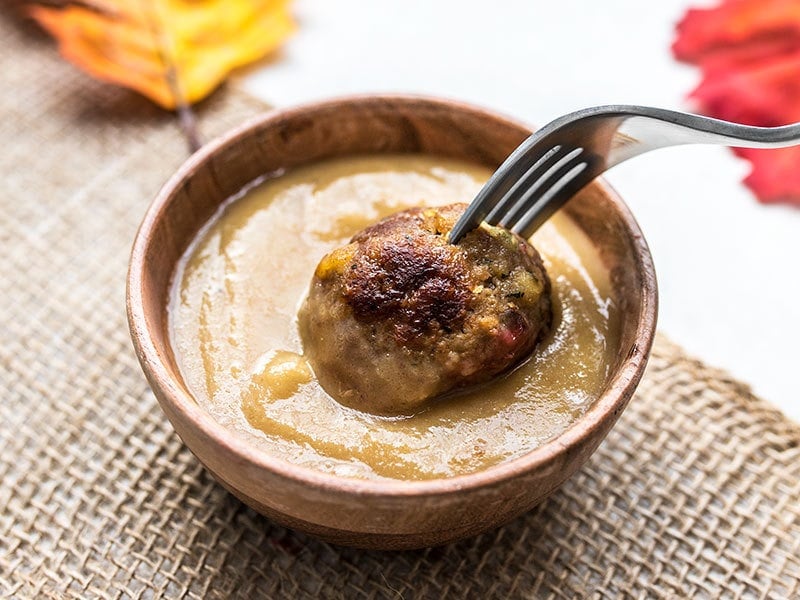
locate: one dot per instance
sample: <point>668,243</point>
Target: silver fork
<point>554,163</point>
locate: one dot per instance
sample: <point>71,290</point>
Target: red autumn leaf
<point>749,54</point>
<point>775,176</point>
<point>735,23</point>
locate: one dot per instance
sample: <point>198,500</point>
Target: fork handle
<point>640,129</point>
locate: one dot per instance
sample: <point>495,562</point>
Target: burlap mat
<point>694,493</point>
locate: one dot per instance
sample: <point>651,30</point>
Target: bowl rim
<point>613,400</point>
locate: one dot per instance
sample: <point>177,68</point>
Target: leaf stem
<point>186,116</point>
<point>188,121</point>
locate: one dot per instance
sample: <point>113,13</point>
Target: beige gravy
<point>233,327</point>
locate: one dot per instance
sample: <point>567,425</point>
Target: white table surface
<point>727,267</point>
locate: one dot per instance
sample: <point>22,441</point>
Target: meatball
<point>399,315</point>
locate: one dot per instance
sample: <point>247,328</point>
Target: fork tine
<point>547,177</point>
<point>539,163</point>
<point>527,156</point>
<point>540,207</point>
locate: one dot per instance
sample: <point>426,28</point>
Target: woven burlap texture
<point>694,494</point>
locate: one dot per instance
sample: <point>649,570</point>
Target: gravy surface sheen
<point>233,327</point>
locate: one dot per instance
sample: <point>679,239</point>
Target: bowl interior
<point>374,125</point>
<point>369,125</point>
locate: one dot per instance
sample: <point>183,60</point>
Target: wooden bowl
<point>375,514</point>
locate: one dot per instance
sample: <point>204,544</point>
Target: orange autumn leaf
<point>749,55</point>
<point>175,52</point>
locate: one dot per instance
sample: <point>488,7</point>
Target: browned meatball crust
<point>399,315</point>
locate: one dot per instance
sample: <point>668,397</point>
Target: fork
<point>554,163</point>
